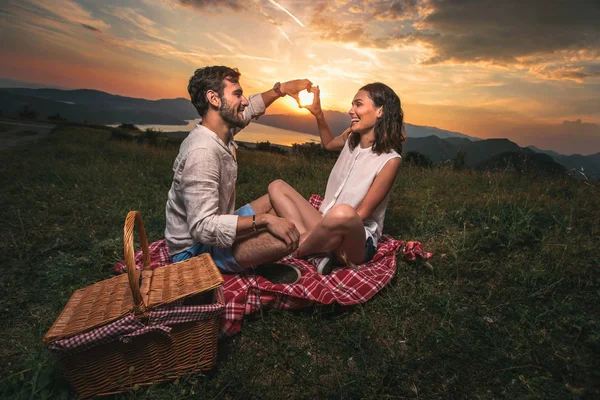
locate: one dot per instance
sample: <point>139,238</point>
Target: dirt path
<point>17,133</point>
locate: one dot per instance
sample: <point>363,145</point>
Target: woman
<point>350,220</point>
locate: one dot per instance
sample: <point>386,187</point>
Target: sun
<point>306,98</point>
<point>288,105</point>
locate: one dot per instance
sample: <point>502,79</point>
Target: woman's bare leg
<point>262,205</point>
<point>342,231</point>
<point>290,204</point>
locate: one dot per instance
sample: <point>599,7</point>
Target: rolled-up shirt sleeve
<point>256,108</point>
<point>199,187</point>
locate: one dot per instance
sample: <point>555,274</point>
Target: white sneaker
<point>323,262</point>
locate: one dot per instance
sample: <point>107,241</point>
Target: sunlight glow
<point>306,98</point>
<point>291,105</point>
<point>148,49</point>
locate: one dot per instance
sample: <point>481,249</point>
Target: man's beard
<point>229,116</point>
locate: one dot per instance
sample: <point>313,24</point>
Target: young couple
<point>200,216</point>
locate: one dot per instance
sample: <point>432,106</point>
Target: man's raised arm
<point>258,103</point>
<point>289,88</point>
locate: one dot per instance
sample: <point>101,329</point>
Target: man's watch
<point>277,89</point>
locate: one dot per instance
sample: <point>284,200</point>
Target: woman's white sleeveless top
<point>350,180</point>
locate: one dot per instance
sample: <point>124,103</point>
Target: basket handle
<point>139,308</point>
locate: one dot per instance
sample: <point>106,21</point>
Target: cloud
<point>356,9</point>
<point>234,47</point>
<point>138,22</point>
<point>48,33</point>
<point>91,28</point>
<point>351,22</point>
<point>216,5</point>
<point>582,129</point>
<point>58,36</point>
<point>65,10</point>
<point>522,34</point>
<point>576,74</point>
<point>248,6</point>
<point>158,49</point>
<point>397,10</point>
<point>382,10</point>
<point>502,31</point>
<point>285,10</point>
<point>570,137</point>
<point>332,30</point>
<point>584,105</point>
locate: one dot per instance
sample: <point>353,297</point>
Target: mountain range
<point>93,106</point>
<point>339,121</point>
<point>98,107</point>
<point>491,152</point>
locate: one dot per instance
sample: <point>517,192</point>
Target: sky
<point>526,70</point>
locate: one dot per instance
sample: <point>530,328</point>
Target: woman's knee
<point>278,186</point>
<point>340,215</point>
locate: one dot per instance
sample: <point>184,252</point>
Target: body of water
<point>252,133</point>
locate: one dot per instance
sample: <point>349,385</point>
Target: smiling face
<point>233,103</point>
<point>363,113</point>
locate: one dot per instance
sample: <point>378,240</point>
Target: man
<point>200,205</point>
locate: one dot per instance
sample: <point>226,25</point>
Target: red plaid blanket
<point>246,293</point>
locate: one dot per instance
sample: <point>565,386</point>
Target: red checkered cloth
<point>246,293</point>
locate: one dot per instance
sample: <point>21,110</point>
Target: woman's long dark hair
<point>389,129</point>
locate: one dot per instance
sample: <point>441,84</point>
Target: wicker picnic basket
<point>118,334</point>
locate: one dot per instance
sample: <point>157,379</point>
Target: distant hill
<point>492,152</point>
<point>99,107</point>
<point>589,165</point>
<point>438,150</point>
<point>417,131</point>
<point>95,106</point>
<point>523,161</point>
<point>489,154</point>
<point>480,151</point>
<point>548,152</point>
<point>339,121</point>
<point>15,83</point>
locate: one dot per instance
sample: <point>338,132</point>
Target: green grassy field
<point>510,309</point>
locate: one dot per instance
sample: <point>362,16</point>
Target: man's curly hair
<point>209,78</point>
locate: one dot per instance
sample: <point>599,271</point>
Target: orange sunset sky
<point>527,70</point>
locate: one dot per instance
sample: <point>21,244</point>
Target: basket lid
<point>106,301</point>
<point>183,279</point>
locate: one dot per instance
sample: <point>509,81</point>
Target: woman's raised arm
<point>330,142</point>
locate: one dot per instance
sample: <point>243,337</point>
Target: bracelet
<point>277,89</point>
<point>254,228</point>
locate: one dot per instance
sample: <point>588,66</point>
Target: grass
<point>6,132</point>
<point>5,128</point>
<point>508,311</point>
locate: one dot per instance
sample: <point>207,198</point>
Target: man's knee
<point>259,249</point>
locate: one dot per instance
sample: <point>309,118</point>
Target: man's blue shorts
<point>223,257</point>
